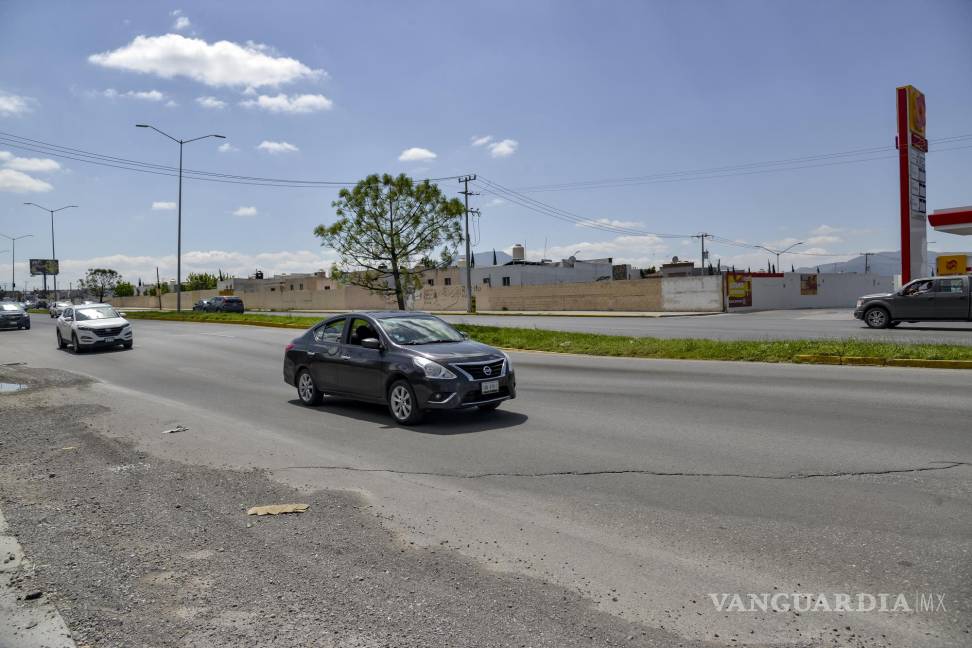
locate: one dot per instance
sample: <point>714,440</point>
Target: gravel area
<point>138,551</point>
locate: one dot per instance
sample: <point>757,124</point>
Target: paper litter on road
<point>277,509</point>
<point>178,428</point>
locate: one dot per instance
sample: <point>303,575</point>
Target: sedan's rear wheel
<point>308,393</point>
<point>402,403</point>
<point>877,318</point>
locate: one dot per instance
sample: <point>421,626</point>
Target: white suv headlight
<point>432,369</point>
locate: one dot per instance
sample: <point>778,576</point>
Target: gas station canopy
<point>952,221</point>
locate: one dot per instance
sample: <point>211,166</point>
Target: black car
<point>219,305</point>
<point>13,316</point>
<point>412,362</point>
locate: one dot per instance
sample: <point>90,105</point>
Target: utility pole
<point>158,286</point>
<point>702,236</point>
<point>466,193</point>
<point>181,143</point>
<point>866,258</point>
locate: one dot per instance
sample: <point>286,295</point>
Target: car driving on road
<point>56,308</point>
<point>13,315</point>
<point>219,305</point>
<point>412,362</point>
<point>932,298</point>
<point>89,326</point>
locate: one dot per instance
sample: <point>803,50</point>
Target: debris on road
<point>178,428</point>
<point>277,509</point>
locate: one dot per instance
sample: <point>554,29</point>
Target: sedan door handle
<point>312,354</point>
<point>345,357</point>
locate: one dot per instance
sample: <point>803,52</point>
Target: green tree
<point>124,289</point>
<point>100,281</point>
<point>384,226</point>
<point>200,281</point>
<point>154,290</point>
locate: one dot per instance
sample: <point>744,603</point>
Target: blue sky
<point>565,91</point>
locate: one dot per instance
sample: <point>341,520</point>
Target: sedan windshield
<point>419,330</point>
<point>9,307</point>
<point>95,313</point>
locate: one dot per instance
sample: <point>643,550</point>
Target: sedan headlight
<point>432,369</point>
<point>509,361</point>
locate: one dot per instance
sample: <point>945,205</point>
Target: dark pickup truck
<point>935,298</point>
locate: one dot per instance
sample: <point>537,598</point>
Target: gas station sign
<point>912,146</point>
<point>952,264</point>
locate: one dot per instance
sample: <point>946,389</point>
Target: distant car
<point>56,308</point>
<point>13,315</point>
<point>932,298</point>
<point>89,326</point>
<point>219,305</point>
<point>412,362</point>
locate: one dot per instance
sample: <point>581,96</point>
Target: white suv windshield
<point>95,313</point>
<point>10,307</point>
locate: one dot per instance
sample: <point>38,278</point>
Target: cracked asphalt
<point>640,487</point>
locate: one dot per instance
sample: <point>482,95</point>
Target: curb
<point>864,361</point>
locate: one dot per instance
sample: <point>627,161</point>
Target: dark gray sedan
<point>412,362</point>
<point>13,315</point>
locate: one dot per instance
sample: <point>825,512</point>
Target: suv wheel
<point>402,403</point>
<point>60,341</point>
<point>75,345</point>
<point>877,318</point>
<point>308,393</point>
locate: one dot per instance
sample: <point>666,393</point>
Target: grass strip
<point>629,347</point>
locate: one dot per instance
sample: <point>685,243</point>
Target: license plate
<point>491,387</point>
<point>108,339</point>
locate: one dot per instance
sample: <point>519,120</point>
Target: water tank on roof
<point>519,254</point>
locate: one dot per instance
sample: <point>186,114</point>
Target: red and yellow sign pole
<point>912,147</point>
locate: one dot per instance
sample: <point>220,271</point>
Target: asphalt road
<point>815,324</point>
<point>644,485</point>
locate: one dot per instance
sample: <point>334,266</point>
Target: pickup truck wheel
<point>877,318</point>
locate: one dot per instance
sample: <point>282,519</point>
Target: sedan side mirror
<point>371,343</point>
<point>121,314</point>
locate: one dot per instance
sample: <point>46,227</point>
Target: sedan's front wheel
<point>308,393</point>
<point>402,403</point>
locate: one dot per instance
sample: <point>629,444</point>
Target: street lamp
<point>13,258</point>
<point>179,223</point>
<point>53,254</point>
<point>778,252</point>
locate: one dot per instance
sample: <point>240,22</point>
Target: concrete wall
<point>698,294</point>
<point>834,290</point>
<point>189,298</point>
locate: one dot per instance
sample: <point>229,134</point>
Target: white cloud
<point>18,182</point>
<point>210,102</point>
<point>226,147</point>
<point>282,103</point>
<point>12,105</point>
<point>416,154</point>
<point>222,63</point>
<point>504,148</point>
<point>483,140</point>
<point>245,211</point>
<point>826,229</point>
<point>159,205</point>
<point>496,202</point>
<point>277,147</point>
<point>823,240</point>
<point>611,222</point>
<point>143,95</point>
<point>640,251</point>
<point>181,20</point>
<point>29,165</point>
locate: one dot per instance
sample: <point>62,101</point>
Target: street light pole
<point>180,142</point>
<point>53,254</point>
<point>13,258</point>
<point>778,252</point>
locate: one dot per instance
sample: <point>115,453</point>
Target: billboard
<point>739,289</point>
<point>912,147</point>
<point>43,267</point>
<point>952,264</point>
<point>808,284</point>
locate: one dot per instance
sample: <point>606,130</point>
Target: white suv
<point>93,325</point>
